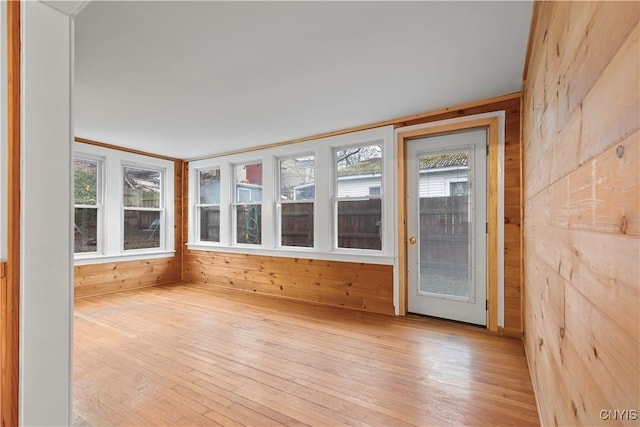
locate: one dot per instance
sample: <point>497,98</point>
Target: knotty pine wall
<point>96,279</point>
<point>349,284</point>
<point>360,286</point>
<point>581,118</point>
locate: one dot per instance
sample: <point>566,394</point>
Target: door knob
<point>412,240</point>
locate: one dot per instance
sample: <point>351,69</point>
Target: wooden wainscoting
<point>98,279</point>
<point>367,287</point>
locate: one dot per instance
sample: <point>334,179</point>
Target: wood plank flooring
<point>188,354</point>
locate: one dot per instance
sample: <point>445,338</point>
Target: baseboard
<point>116,291</point>
<point>515,333</point>
<point>533,385</point>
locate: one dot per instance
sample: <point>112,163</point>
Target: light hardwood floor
<point>200,355</point>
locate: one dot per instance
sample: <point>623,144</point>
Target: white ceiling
<point>189,79</point>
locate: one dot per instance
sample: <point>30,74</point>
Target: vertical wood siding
<point>581,118</point>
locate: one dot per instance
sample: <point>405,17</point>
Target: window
<point>296,201</point>
<point>124,205</point>
<point>142,213</point>
<point>358,212</point>
<point>459,188</point>
<point>319,199</point>
<point>208,205</point>
<point>247,207</point>
<point>87,204</point>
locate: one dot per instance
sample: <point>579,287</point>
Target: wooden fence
<point>358,224</point>
<point>444,233</point>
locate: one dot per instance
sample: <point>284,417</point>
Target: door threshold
<point>445,322</point>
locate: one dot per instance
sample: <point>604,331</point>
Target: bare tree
<point>352,156</point>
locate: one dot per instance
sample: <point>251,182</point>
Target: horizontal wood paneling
<point>360,286</point>
<point>581,120</point>
<point>204,355</point>
<point>96,279</point>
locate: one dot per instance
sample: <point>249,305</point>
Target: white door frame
<point>495,121</point>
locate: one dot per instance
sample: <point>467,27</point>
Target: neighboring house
<point>245,192</point>
<point>440,176</point>
<point>248,193</point>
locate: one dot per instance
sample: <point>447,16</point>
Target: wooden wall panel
<point>360,286</point>
<point>10,291</point>
<point>96,279</point>
<point>512,205</point>
<point>581,121</point>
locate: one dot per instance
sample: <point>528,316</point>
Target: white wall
<point>437,183</point>
<point>46,278</point>
<point>358,187</point>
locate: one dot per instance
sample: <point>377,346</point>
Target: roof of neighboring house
<point>444,160</point>
<point>372,166</point>
<point>366,167</point>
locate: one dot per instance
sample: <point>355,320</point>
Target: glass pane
<point>297,178</point>
<point>141,188</point>
<point>85,182</point>
<point>444,223</point>
<point>209,186</point>
<point>86,230</point>
<point>248,182</point>
<point>359,168</point>
<point>141,229</point>
<point>249,224</point>
<point>297,224</point>
<point>210,224</point>
<point>359,224</point>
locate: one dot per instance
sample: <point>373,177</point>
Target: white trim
<point>322,150</point>
<point>298,252</point>
<point>500,115</point>
<point>99,206</point>
<point>112,231</point>
<point>337,199</point>
<point>92,258</point>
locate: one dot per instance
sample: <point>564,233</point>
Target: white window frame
<point>113,205</point>
<point>280,202</point>
<point>199,205</point>
<point>336,199</point>
<point>324,248</point>
<point>125,164</point>
<point>100,161</point>
<point>236,203</point>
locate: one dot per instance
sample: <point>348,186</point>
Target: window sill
<point>86,259</point>
<point>303,253</point>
